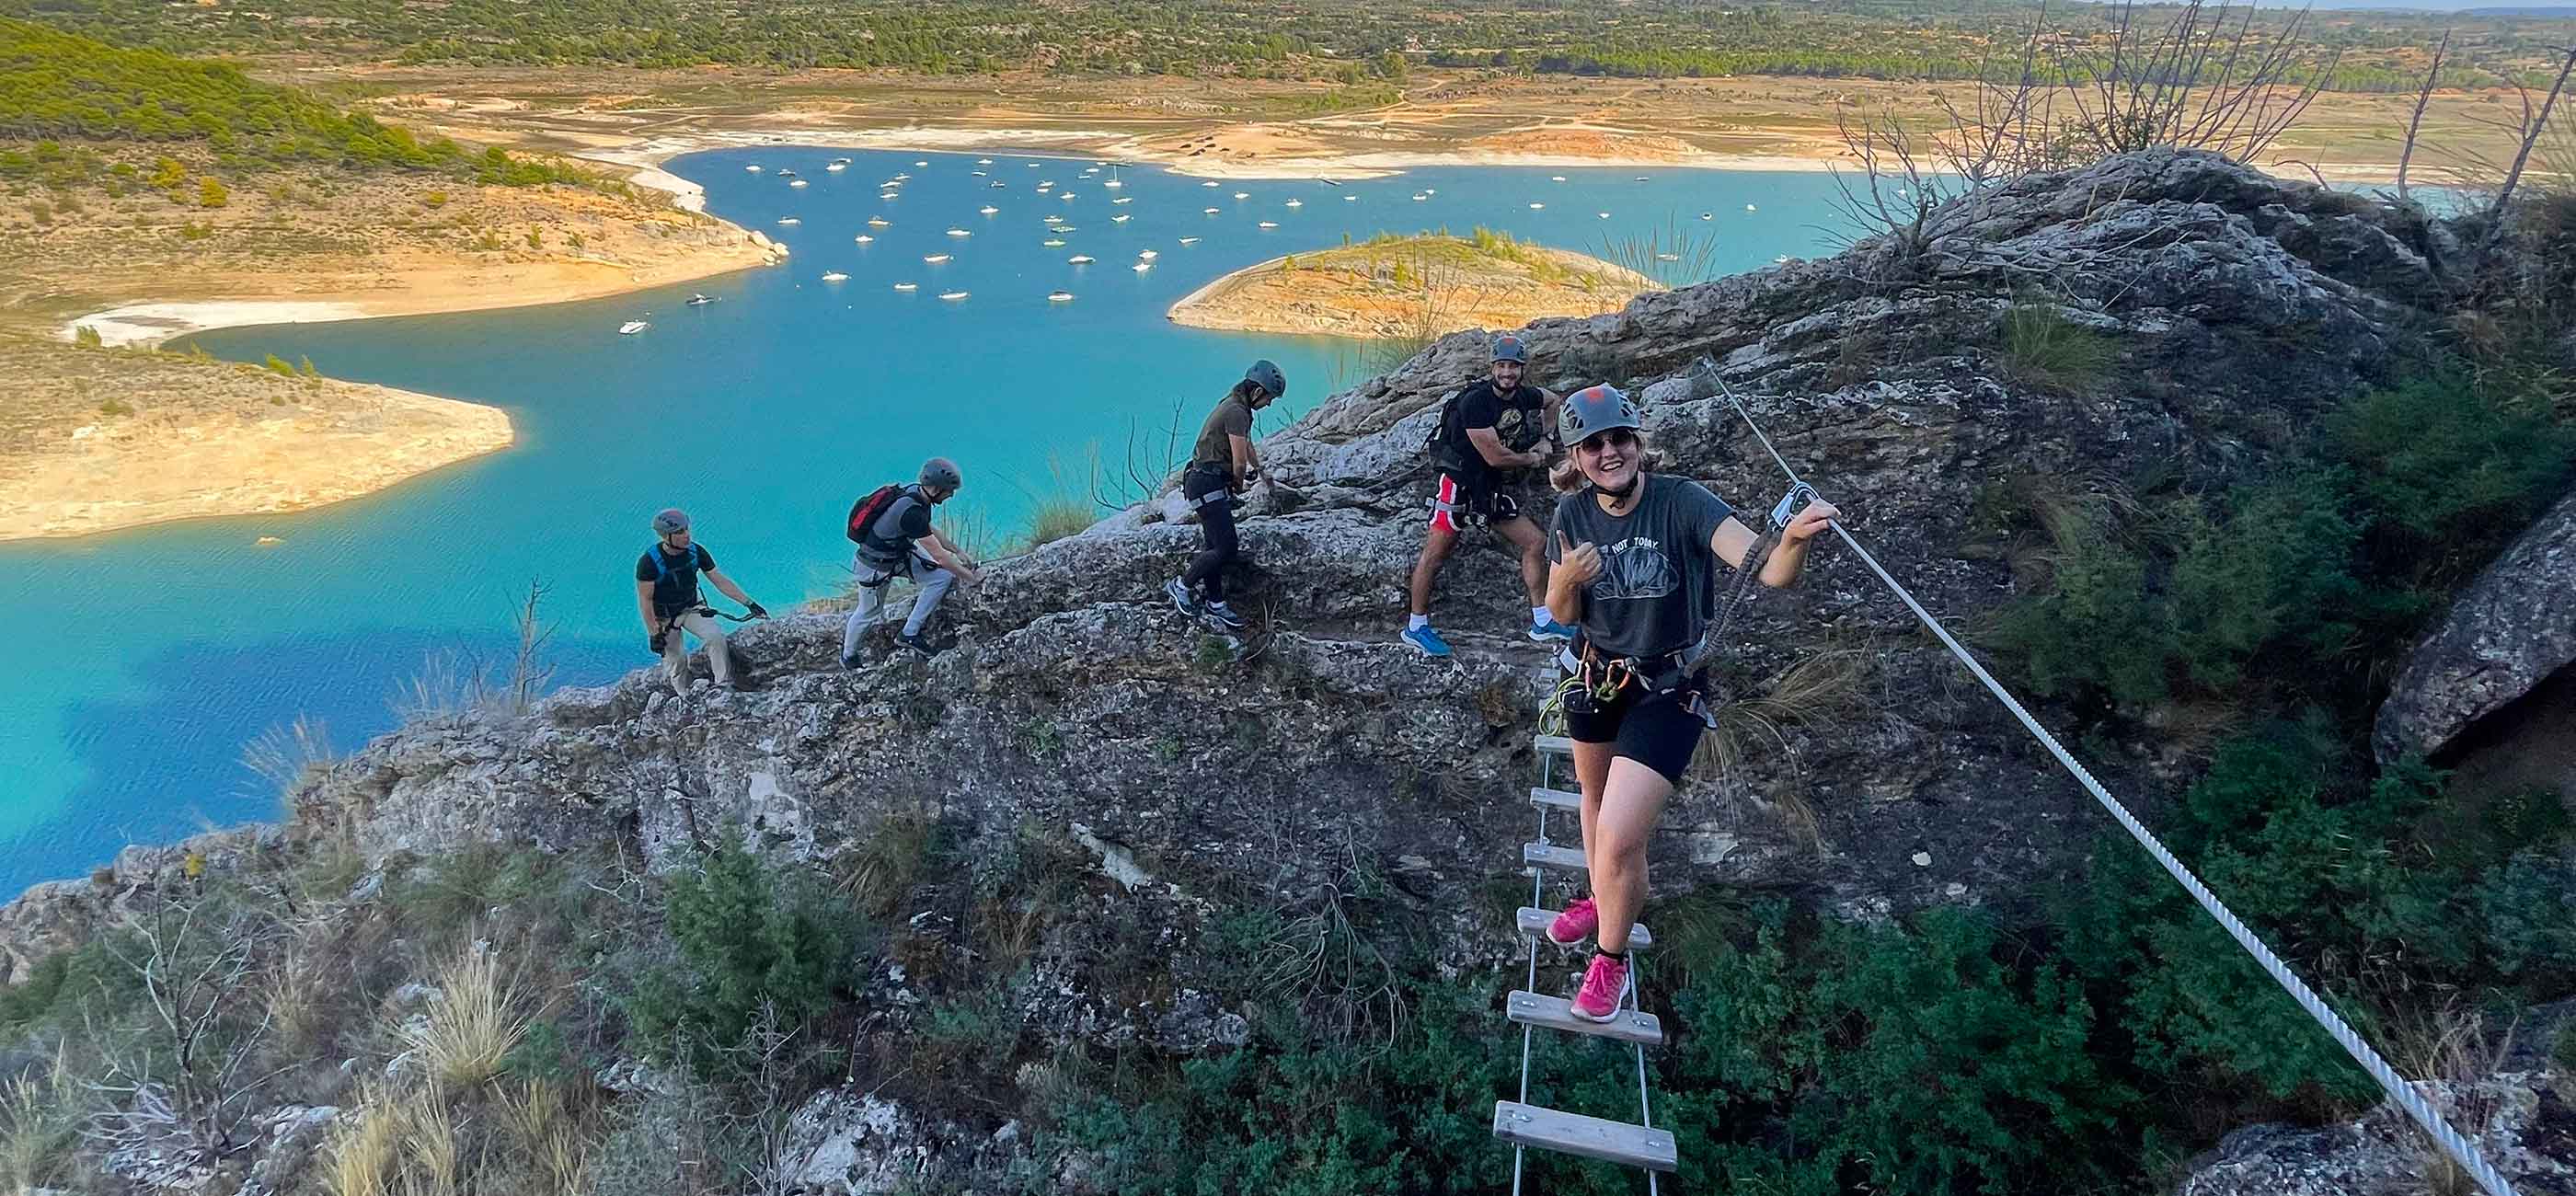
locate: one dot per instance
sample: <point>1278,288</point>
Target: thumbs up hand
<point>1579,563</point>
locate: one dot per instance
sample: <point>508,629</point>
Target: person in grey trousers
<point>898,541</point>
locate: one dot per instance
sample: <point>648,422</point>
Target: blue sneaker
<point>1549,629</point>
<point>1426,641</point>
<point>1182,600</point>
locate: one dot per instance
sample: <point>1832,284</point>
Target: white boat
<point>904,286</point>
<point>701,300</point>
<point>1536,206</point>
<point>983,161</point>
<point>1079,259</point>
<point>631,327</point>
<point>1350,199</point>
<point>1043,184</point>
<point>1142,267</point>
<point>1748,207</point>
<point>864,239</point>
<point>1668,257</point>
<point>899,177</point>
<point>988,209</point>
<point>1064,228</point>
<point>887,195</point>
<point>1243,195</point>
<point>842,161</point>
<point>797,183</point>
<point>959,232</point>
<point>922,162</point>
<point>1124,199</point>
<point>1707,216</point>
<point>1066,196</point>
<point>952,294</point>
<point>1189,240</point>
<point>935,258</point>
<point>1556,178</point>
<point>1149,254</point>
<point>1209,211</point>
<point>1603,215</point>
<point>978,174</point>
<point>878,222</point>
<point>1780,259</point>
<point>787,174</point>
<point>1113,184</point>
<point>1120,218</point>
<point>1431,191</point>
<point>1209,183</point>
<point>1059,296</point>
<point>1641,178</point>
<point>1267,224</point>
<point>997,184</point>
<point>1418,197</point>
<point>1090,170</point>
<point>1053,242</point>
<point>789,220</point>
<point>836,276</point>
<point>753,169</point>
<point>837,167</point>
<point>1052,218</point>
<point>1296,203</point>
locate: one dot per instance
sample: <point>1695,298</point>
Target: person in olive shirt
<point>666,595</point>
<point>1636,571</point>
<point>1487,434</point>
<point>1222,465</point>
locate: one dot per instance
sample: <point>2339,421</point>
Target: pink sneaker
<point>1574,925</point>
<point>1603,987</point>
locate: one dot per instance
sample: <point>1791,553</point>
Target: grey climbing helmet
<point>1267,377</point>
<point>671,521</point>
<point>1508,347</point>
<point>1593,410</point>
<point>940,473</point>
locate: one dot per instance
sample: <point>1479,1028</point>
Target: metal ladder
<point>1521,1123</point>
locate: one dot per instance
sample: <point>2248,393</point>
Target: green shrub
<point>115,407</point>
<point>2276,572</point>
<point>277,365</point>
<point>2446,470</point>
<point>747,935</point>
<point>2097,625</point>
<point>86,336</point>
<point>195,232</point>
<point>211,193</point>
<point>2042,348</point>
<point>2564,1049</point>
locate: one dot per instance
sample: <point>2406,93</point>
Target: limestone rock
<point>2508,632</point>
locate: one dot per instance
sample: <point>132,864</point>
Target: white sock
<point>1416,622</point>
<point>1538,616</point>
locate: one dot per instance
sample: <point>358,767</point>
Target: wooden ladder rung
<point>1534,921</point>
<point>1557,1013</point>
<point>1553,856</point>
<point>1591,1137</point>
<point>1556,799</point>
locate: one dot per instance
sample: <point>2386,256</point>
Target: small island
<point>1415,287</point>
<point>102,439</point>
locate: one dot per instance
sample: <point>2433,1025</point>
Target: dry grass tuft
<point>476,1019</point>
<point>40,1115</point>
<point>1818,690</point>
<point>879,872</point>
<point>360,1155</point>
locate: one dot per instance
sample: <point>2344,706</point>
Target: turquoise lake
<point>164,650</point>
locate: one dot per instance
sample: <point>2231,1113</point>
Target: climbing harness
<point>2452,1142</point>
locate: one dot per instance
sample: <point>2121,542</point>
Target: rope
<point>2452,1142</point>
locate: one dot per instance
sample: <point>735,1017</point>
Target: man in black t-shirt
<point>1488,433</point>
<point>666,595</point>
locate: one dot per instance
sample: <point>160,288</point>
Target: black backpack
<point>863,513</point>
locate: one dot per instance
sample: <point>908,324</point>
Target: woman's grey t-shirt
<point>1657,587</point>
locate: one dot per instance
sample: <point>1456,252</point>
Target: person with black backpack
<point>891,527</point>
<point>666,594</point>
<point>1487,433</point>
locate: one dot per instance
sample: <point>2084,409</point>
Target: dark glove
<point>757,610</point>
<point>659,638</point>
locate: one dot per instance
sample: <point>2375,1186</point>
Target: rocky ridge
<point>1195,766</point>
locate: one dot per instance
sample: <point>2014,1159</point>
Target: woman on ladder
<point>1633,568</point>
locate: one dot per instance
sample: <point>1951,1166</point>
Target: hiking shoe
<point>1550,629</point>
<point>1181,596</point>
<point>1605,984</point>
<point>1576,924</point>
<point>1426,641</point>
<point>852,662</point>
<point>918,645</point>
<point>1220,615</point>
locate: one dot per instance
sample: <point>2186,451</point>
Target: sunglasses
<point>1614,438</point>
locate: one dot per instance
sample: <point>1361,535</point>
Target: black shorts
<point>1456,506</point>
<point>1657,730</point>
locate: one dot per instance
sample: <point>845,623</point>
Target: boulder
<point>2509,631</point>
